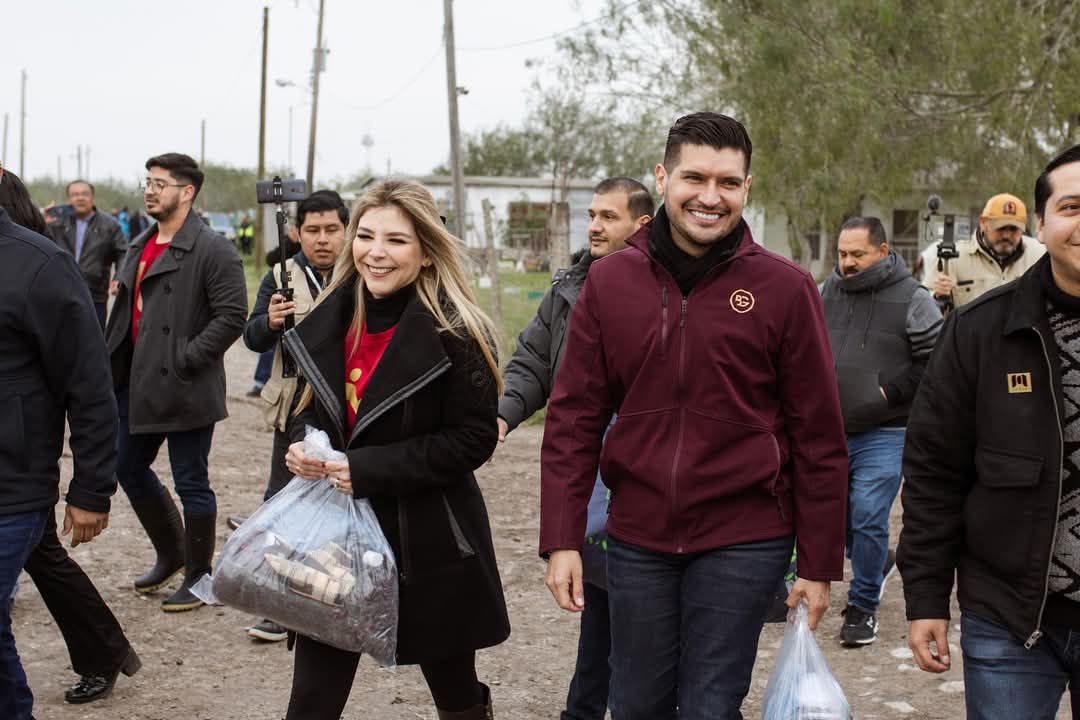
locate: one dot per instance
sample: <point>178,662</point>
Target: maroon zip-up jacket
<point>729,428</point>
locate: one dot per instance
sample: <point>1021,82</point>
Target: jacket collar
<point>887,271</point>
<point>640,241</point>
<point>1028,307</point>
<point>415,353</point>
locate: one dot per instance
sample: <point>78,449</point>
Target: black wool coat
<point>194,308</point>
<point>426,421</point>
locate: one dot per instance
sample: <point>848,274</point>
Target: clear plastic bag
<point>314,560</point>
<point>801,686</point>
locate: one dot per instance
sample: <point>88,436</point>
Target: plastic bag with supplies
<point>314,560</point>
<point>801,686</point>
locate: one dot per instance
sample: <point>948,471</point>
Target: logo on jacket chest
<point>742,301</point>
<point>1019,382</point>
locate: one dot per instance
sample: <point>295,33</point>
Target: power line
<point>401,90</point>
<point>554,36</point>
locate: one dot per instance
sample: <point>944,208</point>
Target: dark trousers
<point>684,628</point>
<point>279,472</point>
<point>95,640</point>
<point>189,453</point>
<point>19,534</point>
<point>323,678</point>
<point>587,698</point>
<point>99,308</point>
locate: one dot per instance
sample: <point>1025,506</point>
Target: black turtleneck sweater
<point>685,268</point>
<point>383,313</point>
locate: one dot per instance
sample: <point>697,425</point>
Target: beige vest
<point>976,269</point>
<point>279,391</point>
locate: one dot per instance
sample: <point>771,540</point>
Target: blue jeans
<point>189,453</point>
<point>587,698</point>
<point>684,628</point>
<point>1003,680</point>
<point>874,479</point>
<point>19,535</point>
<point>263,367</point>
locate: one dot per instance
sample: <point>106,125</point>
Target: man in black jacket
<point>52,367</point>
<point>882,327</point>
<point>93,238</point>
<point>992,468</point>
<point>180,304</point>
<point>619,207</point>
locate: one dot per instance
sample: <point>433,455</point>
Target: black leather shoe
<point>95,687</point>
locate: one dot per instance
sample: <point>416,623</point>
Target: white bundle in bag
<point>801,686</point>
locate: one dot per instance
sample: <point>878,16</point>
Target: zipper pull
<point>663,296</point>
<point>1033,639</point>
<point>682,319</point>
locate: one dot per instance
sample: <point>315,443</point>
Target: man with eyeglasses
<point>181,302</point>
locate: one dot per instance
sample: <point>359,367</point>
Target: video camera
<point>279,192</point>
<point>947,246</point>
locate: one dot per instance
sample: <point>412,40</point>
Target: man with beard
<point>729,443</point>
<point>882,328</point>
<point>997,253</point>
<point>619,207</point>
<point>180,304</point>
<point>94,238</point>
<point>321,218</point>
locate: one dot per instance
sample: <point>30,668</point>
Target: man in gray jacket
<point>882,328</point>
<point>619,207</point>
<point>180,304</point>
<point>93,238</point>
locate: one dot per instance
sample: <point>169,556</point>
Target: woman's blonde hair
<point>443,285</point>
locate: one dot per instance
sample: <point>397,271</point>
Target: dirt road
<point>202,666</point>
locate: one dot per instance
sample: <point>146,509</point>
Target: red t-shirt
<point>359,364</point>
<point>151,252</point>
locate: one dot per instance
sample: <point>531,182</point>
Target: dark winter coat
<point>882,328</point>
<point>983,463</point>
<point>104,245</point>
<point>52,366</point>
<point>425,422</point>
<point>530,373</point>
<point>729,426</point>
<point>194,308</point>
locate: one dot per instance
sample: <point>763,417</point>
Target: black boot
<point>199,537</point>
<point>161,521</point>
<point>483,711</point>
<point>95,687</point>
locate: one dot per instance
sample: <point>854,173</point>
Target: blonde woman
<point>399,369</point>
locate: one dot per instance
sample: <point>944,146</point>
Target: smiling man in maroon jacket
<point>729,443</point>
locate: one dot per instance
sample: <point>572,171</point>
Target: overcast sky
<point>131,79</point>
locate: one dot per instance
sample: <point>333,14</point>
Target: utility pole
<point>59,173</point>
<point>78,161</point>
<point>87,162</point>
<point>455,132</point>
<point>492,265</point>
<point>202,144</point>
<point>22,128</point>
<point>315,72</point>
<point>261,170</point>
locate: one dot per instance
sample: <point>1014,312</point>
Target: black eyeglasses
<point>155,186</point>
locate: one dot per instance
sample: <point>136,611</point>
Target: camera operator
<point>998,252</point>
